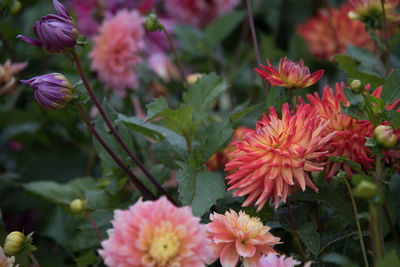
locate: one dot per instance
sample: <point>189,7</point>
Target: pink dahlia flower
<point>199,13</point>
<point>274,260</point>
<point>328,33</point>
<point>156,234</point>
<point>291,75</point>
<point>5,261</point>
<point>350,133</point>
<point>239,235</point>
<point>116,51</point>
<point>268,158</point>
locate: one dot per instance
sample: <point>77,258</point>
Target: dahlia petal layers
<point>268,158</point>
<point>275,260</point>
<point>156,234</point>
<point>236,235</point>
<point>329,32</point>
<point>6,261</point>
<point>350,133</point>
<point>291,75</point>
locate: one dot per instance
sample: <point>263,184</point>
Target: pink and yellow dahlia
<point>6,261</point>
<point>291,75</point>
<point>276,260</point>
<point>350,134</point>
<point>156,234</point>
<point>236,235</point>
<point>116,51</point>
<point>8,73</point>
<point>328,33</point>
<point>267,159</point>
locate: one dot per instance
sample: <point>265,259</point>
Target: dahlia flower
<point>199,13</point>
<point>369,10</point>
<point>328,33</point>
<point>291,75</point>
<point>116,51</point>
<point>350,133</point>
<point>275,260</point>
<point>5,261</point>
<point>236,235</point>
<point>268,158</point>
<point>156,234</point>
<point>8,73</point>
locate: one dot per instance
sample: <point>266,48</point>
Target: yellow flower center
<point>164,247</point>
<point>251,225</point>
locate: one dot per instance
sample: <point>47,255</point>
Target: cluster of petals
<point>350,134</point>
<point>8,73</point>
<point>276,260</point>
<point>220,158</point>
<point>235,235</point>
<point>156,234</point>
<point>267,159</point>
<point>292,75</point>
<point>198,13</point>
<point>116,51</point>
<point>6,261</point>
<point>329,32</point>
<point>363,9</point>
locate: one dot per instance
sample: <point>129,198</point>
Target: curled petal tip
<point>61,10</point>
<point>30,40</point>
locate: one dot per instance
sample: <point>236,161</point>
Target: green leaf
<point>203,93</point>
<point>309,236</point>
<point>217,31</point>
<point>338,259</point>
<point>191,40</point>
<point>156,107</point>
<point>214,137</point>
<point>87,260</point>
<point>349,65</point>
<point>391,88</point>
<point>186,178</point>
<point>393,117</point>
<point>209,188</point>
<point>366,59</point>
<point>98,199</point>
<point>391,259</point>
<point>344,159</point>
<point>240,114</point>
<point>179,121</point>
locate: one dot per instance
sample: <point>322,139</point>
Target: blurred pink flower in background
<point>198,12</point>
<point>275,260</point>
<point>116,51</point>
<point>156,233</point>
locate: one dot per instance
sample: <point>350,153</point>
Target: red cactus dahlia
<point>291,75</point>
<point>268,158</point>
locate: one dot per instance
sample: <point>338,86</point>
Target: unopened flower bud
<point>152,23</point>
<point>355,86</point>
<point>192,78</point>
<point>52,91</point>
<point>366,190</point>
<point>56,33</point>
<point>384,136</point>
<point>14,243</point>
<point>77,205</point>
<point>15,7</point>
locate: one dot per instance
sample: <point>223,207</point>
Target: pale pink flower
<point>5,261</point>
<point>155,234</point>
<point>275,260</point>
<point>116,51</point>
<point>236,235</point>
<point>199,12</point>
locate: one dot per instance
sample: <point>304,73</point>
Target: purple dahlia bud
<point>56,33</point>
<point>52,91</point>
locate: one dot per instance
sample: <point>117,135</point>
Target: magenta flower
<point>56,33</point>
<point>52,91</point>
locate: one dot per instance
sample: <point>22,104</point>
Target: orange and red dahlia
<point>236,235</point>
<point>268,158</point>
<point>328,33</point>
<point>350,134</point>
<point>367,10</point>
<point>291,75</point>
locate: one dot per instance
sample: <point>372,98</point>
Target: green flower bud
<point>77,205</point>
<point>152,23</point>
<point>14,243</point>
<point>355,86</point>
<point>384,136</point>
<point>366,190</point>
<point>15,7</point>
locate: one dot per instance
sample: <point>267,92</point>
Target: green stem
<point>34,260</point>
<point>377,246</point>
<point>370,111</point>
<point>294,100</point>
<point>178,60</point>
<point>386,36</point>
<point>294,232</point>
<point>353,202</point>
<point>96,229</point>
<point>377,221</point>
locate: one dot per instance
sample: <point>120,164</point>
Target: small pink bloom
<point>274,260</point>
<point>155,234</point>
<point>291,75</point>
<point>116,51</point>
<point>239,235</point>
<point>5,261</point>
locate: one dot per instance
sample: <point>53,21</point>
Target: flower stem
<point>140,186</point>
<point>34,260</point>
<point>96,229</point>
<point>390,223</point>
<point>294,232</point>
<point>386,34</point>
<point>178,60</point>
<point>353,202</point>
<point>294,100</point>
<point>255,43</point>
<point>114,131</point>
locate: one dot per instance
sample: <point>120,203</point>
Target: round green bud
<point>152,23</point>
<point>77,205</point>
<point>384,136</point>
<point>366,190</point>
<point>355,86</point>
<point>15,7</point>
<point>14,243</point>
